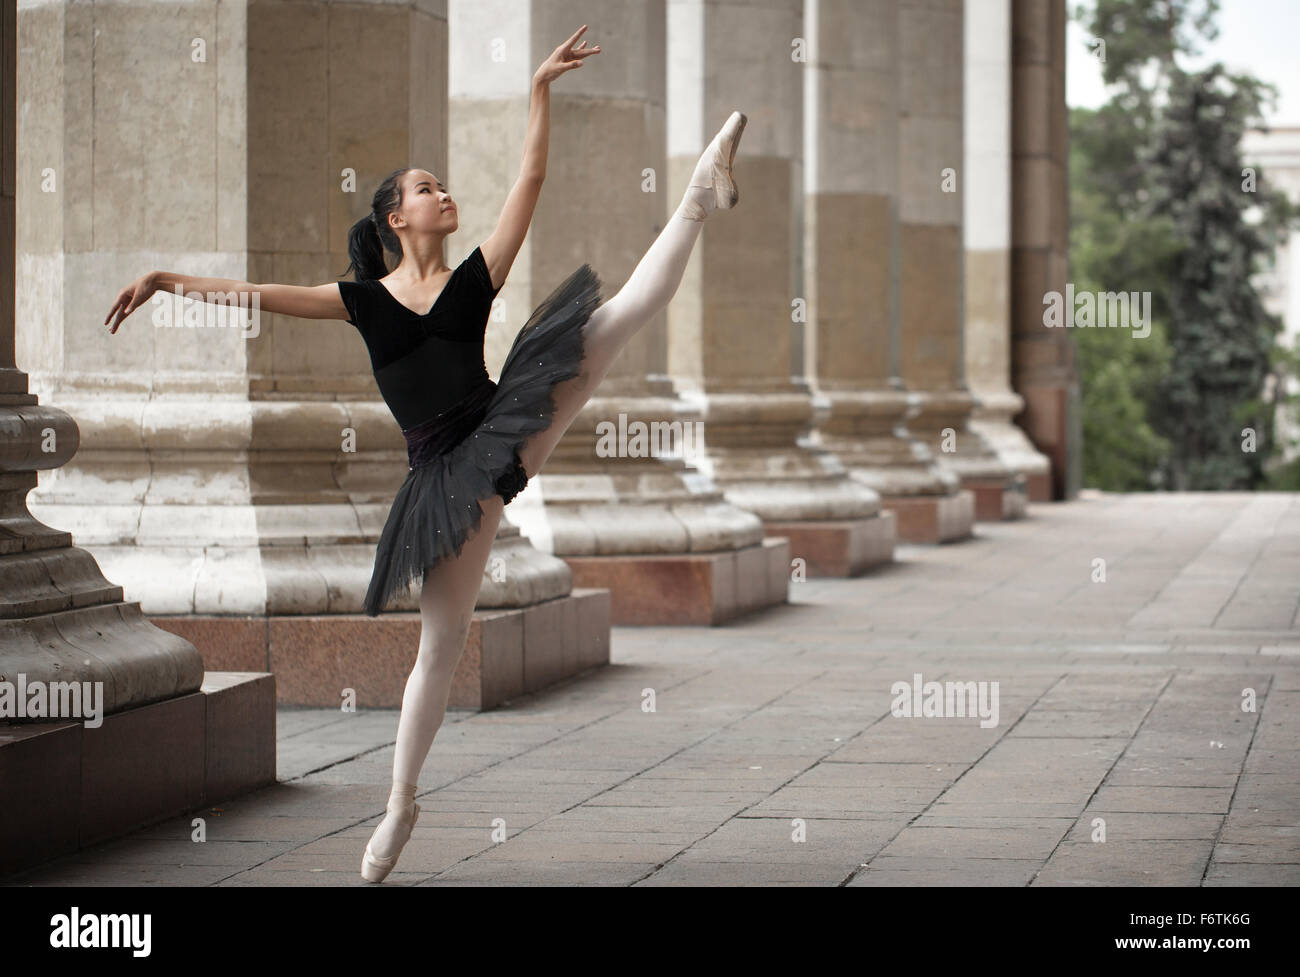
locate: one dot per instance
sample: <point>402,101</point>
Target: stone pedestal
<point>81,786</point>
<point>326,660</point>
<point>61,621</point>
<point>699,589</point>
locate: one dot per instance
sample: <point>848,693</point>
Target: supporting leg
<point>447,601</point>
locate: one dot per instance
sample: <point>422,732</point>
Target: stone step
<point>700,589</point>
<point>321,660</point>
<point>68,785</point>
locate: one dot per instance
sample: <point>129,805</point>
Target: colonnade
<point>857,338</point>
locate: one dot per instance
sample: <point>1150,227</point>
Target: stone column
<point>637,521</point>
<point>734,324</point>
<point>60,619</point>
<point>851,233</point>
<point>987,201</point>
<point>236,478</point>
<point>225,472</point>
<point>1042,359</point>
<point>109,722</point>
<point>931,289</point>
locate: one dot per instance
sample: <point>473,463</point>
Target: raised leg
<point>652,284</point>
<point>649,289</point>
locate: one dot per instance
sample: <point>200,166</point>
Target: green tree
<point>1158,204</point>
<point>1222,337</point>
<point>1121,450</point>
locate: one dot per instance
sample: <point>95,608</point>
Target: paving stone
<point>1271,852</point>
<point>1088,724</point>
<point>1252,874</point>
<point>1170,772</point>
<point>1191,800</point>
<point>956,840</point>
<point>794,801</point>
<point>514,872</point>
<point>299,800</point>
<point>879,775</point>
<point>917,871</point>
<point>680,872</point>
<point>1275,792</point>
<point>1128,826</point>
<point>185,853</point>
<point>1123,704</point>
<point>1180,863</point>
<point>648,818</point>
<point>1238,831</point>
<point>75,872</point>
<point>1009,808</point>
<point>588,832</point>
<point>264,876</point>
<point>834,841</point>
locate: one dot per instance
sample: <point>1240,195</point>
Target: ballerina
<point>472,443</point>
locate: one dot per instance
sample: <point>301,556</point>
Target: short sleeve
<point>479,270</point>
<point>351,295</point>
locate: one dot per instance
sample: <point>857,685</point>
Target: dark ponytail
<point>369,237</point>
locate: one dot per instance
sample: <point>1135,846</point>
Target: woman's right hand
<point>131,298</point>
<point>564,58</point>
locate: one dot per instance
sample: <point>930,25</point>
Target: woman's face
<point>427,206</point>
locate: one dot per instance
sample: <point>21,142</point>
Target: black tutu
<point>470,451</point>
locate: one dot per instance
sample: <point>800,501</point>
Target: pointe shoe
<point>721,153</point>
<point>375,868</point>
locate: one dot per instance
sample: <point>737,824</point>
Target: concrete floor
<point>772,756</point>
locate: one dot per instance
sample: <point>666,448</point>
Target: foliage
<point>1160,203</point>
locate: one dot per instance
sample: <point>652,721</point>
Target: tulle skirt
<point>470,451</point>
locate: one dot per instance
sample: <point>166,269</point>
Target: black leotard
<point>425,364</point>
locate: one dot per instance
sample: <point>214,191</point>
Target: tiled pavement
<point>771,755</point>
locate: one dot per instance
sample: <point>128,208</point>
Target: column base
<point>80,786</point>
<point>701,589</point>
<point>841,547</point>
<point>1039,488</point>
<point>509,652</point>
<point>997,499</point>
<point>933,518</point>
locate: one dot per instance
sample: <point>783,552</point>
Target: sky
<point>1255,35</point>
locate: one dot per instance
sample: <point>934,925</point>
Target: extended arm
<point>303,301</point>
<point>502,245</point>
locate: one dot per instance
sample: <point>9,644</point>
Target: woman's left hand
<point>564,58</point>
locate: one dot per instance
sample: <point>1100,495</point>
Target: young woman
<point>472,443</point>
